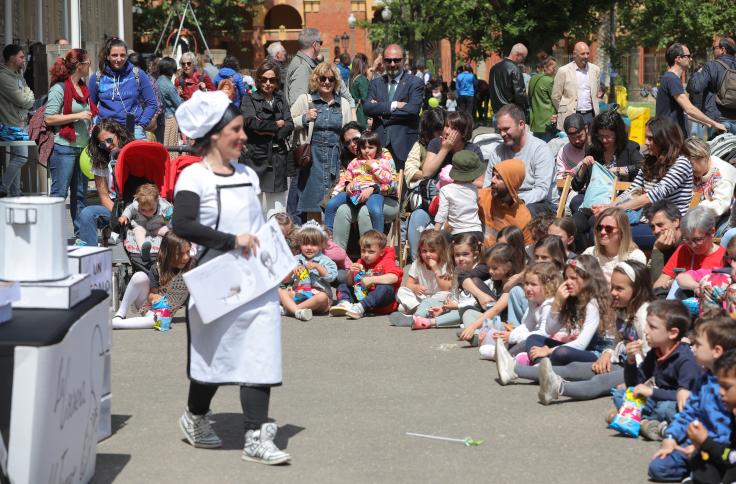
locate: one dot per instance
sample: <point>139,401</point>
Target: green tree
<point>659,23</point>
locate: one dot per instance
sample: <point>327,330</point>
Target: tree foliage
<point>659,23</point>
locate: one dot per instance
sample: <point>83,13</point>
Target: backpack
<point>726,95</point>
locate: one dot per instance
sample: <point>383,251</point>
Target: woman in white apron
<point>216,206</point>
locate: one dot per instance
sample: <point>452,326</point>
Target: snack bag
<point>359,288</point>
<point>302,285</point>
<point>628,420</point>
<point>692,305</point>
<point>161,314</point>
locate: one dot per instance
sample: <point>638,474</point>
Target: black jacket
<point>507,86</point>
<point>266,149</point>
<point>630,158</point>
<point>707,81</point>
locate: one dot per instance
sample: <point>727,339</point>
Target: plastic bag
<point>359,288</point>
<point>628,419</point>
<point>161,314</point>
<point>303,285</point>
<point>600,187</point>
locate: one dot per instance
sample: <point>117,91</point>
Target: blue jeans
<point>90,219</point>
<point>673,468</point>
<point>417,220</point>
<point>661,410</point>
<point>730,125</point>
<point>11,177</point>
<point>381,296</point>
<point>562,355</point>
<point>65,173</point>
<point>518,305</point>
<point>374,205</point>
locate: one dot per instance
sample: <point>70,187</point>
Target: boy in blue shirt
<point>714,335</point>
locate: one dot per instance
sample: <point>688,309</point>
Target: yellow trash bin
<point>622,96</point>
<point>639,118</point>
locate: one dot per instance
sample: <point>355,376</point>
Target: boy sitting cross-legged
<point>372,280</point>
<point>715,333</point>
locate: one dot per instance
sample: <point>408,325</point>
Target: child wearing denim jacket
<point>669,362</point>
<point>714,335</point>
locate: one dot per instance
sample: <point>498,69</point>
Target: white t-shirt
<point>426,277</point>
<point>107,175</point>
<point>198,179</point>
<point>459,208</point>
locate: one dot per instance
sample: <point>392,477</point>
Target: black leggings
<point>254,401</point>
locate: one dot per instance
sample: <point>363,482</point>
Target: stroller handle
<point>180,148</point>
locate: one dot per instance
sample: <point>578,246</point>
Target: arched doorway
<point>283,23</point>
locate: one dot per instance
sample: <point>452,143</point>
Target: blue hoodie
<point>121,94</point>
<point>706,406</point>
<point>233,75</point>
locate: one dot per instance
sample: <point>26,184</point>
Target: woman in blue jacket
<point>229,70</point>
<point>122,92</point>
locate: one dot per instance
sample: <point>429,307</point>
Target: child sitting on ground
<point>458,201</point>
<point>309,290</point>
<point>541,281</point>
<point>149,216</point>
<point>713,460</point>
<point>550,249</point>
<point>669,362</point>
<point>164,280</point>
<point>372,281</point>
<point>564,228</point>
<point>466,253</point>
<point>715,333</point>
<point>364,181</point>
<point>429,280</point>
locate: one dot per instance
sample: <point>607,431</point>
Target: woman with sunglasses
<point>106,140</point>
<point>191,79</point>
<point>613,242</point>
<point>121,91</point>
<point>268,125</point>
<point>318,118</point>
<point>69,112</point>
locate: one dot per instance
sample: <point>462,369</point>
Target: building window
<point>357,6</point>
<point>311,6</point>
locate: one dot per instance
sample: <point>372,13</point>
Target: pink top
<point>364,173</point>
<point>337,254</point>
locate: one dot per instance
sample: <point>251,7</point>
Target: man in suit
<point>394,100</point>
<point>577,87</point>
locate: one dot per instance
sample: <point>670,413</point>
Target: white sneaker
<point>340,309</point>
<point>283,311</point>
<point>303,314</point>
<point>505,363</point>
<point>550,383</point>
<point>259,446</point>
<point>198,430</point>
<point>356,311</point>
<point>487,352</point>
<point>117,322</point>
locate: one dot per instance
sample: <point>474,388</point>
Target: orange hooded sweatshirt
<point>495,215</point>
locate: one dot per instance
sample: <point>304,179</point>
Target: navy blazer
<point>398,129</point>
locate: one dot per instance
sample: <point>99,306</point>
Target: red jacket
<point>191,84</point>
<point>386,264</point>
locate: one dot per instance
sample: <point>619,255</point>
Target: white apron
<point>243,346</point>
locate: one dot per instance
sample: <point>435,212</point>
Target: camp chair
<point>619,187</point>
<point>563,185</point>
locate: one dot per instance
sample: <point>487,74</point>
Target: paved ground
<point>351,391</point>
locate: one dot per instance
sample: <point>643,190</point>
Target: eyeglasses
<point>397,60</point>
<point>106,142</point>
<point>686,55</point>
<point>269,80</point>
<point>695,241</point>
<point>606,137</point>
<point>353,140</point>
<point>186,63</point>
<point>714,47</point>
<point>609,229</point>
<point>327,78</point>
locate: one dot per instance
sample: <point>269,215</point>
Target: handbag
<point>303,155</point>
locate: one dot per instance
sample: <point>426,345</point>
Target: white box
<point>106,374</point>
<point>9,292</point>
<point>104,424</point>
<point>63,294</point>
<point>95,261</point>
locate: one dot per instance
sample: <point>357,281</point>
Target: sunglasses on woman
<point>105,143</point>
<point>331,79</point>
<point>268,80</point>
<point>609,229</point>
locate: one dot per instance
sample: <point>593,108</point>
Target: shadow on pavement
<point>118,422</point>
<point>229,426</point>
<point>108,466</point>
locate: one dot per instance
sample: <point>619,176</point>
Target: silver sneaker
<point>356,311</point>
<point>550,383</point>
<point>303,314</point>
<point>198,430</point>
<point>505,363</point>
<point>259,446</point>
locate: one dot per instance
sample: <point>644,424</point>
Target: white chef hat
<point>198,115</point>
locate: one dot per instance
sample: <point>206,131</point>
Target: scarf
<point>67,130</point>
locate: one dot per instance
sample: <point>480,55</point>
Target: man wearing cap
<point>459,199</point>
<point>500,205</point>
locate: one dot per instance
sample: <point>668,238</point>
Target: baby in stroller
<point>147,219</point>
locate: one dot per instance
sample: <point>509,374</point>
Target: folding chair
<point>563,185</point>
<point>618,188</point>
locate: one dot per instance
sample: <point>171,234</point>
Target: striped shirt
<point>676,186</point>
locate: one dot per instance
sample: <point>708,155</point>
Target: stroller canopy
<point>141,159</point>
